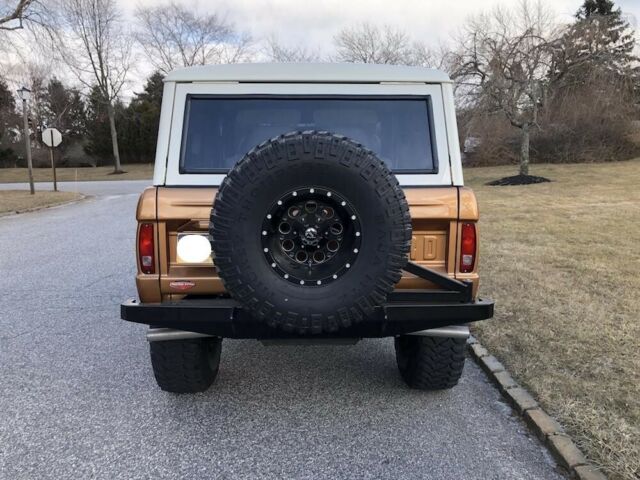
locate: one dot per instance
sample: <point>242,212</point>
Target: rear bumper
<point>405,312</point>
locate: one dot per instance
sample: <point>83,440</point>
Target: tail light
<point>145,248</point>
<point>468,247</point>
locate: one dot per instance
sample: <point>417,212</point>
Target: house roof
<point>307,73</point>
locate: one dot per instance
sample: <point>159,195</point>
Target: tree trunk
<point>114,139</point>
<point>524,150</point>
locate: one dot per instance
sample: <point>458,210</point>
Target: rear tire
<point>186,366</point>
<point>430,363</point>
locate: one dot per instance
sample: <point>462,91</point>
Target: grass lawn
<point>561,260</point>
<point>21,175</point>
<point>15,201</point>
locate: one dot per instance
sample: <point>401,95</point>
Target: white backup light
<point>194,249</point>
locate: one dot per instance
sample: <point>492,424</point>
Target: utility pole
<point>25,93</point>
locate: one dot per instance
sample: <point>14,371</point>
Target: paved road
<point>78,399</point>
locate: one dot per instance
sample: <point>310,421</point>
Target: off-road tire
<point>430,363</point>
<point>186,366</point>
<point>300,160</point>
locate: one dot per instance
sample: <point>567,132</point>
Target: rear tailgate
<point>435,213</point>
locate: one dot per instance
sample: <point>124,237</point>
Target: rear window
<point>219,131</point>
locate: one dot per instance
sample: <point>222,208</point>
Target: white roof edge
<point>308,73</point>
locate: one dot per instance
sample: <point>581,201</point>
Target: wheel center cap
<point>310,236</point>
<point>311,233</point>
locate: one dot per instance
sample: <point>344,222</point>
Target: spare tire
<point>310,232</point>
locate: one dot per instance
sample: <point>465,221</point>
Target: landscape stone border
<point>547,429</point>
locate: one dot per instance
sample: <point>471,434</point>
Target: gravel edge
<point>547,429</point>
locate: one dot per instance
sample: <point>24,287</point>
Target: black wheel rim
<point>311,236</point>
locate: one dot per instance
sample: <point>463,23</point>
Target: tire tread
<point>430,363</point>
<point>185,366</point>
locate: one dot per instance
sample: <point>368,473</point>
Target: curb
<point>547,429</point>
<point>82,198</point>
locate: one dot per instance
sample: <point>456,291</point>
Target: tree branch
<point>18,13</point>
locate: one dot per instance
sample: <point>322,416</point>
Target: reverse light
<point>146,249</point>
<point>468,247</point>
<point>193,248</point>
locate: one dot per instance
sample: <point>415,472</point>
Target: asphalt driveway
<point>78,398</point>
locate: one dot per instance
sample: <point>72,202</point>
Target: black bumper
<point>405,312</point>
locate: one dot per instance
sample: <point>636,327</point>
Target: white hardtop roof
<point>307,73</point>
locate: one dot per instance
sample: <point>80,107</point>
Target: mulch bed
<point>518,180</point>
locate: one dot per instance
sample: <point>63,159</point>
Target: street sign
<point>51,137</point>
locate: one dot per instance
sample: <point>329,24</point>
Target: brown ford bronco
<point>309,204</point>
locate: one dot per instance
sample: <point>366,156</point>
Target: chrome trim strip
<point>164,334</point>
<point>455,331</point>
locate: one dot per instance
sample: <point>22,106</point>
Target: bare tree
<point>439,57</point>
<point>35,77</point>
<point>503,62</point>
<point>97,49</point>
<point>367,43</point>
<point>26,26</point>
<point>174,36</point>
<point>277,52</point>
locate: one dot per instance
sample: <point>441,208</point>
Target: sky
<point>314,23</point>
